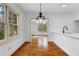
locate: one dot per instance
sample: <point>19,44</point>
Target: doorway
<point>39,33</point>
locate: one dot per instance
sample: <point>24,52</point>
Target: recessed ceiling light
<point>63,6</point>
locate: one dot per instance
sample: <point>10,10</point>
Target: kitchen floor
<point>28,49</point>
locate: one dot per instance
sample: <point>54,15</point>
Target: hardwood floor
<point>33,50</point>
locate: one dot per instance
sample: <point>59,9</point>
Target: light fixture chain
<point>40,7</point>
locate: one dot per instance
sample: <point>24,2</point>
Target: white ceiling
<point>49,7</point>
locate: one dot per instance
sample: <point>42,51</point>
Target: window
<point>12,24</point>
<point>8,22</point>
<point>42,27</point>
<point>2,22</point>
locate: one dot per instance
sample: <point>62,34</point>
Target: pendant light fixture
<point>40,18</point>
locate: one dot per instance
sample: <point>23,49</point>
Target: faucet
<point>64,27</point>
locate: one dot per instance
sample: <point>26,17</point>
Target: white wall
<point>77,23</point>
<point>9,46</point>
<point>34,28</point>
<point>28,28</point>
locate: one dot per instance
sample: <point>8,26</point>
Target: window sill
<point>5,41</point>
<point>15,37</point>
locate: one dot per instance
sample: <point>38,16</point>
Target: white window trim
<point>6,18</point>
<point>5,37</point>
<point>12,10</point>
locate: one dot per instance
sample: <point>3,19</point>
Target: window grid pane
<point>1,13</point>
<point>42,27</point>
<point>2,23</point>
<point>1,31</point>
<point>13,30</point>
<point>12,24</point>
<point>12,18</point>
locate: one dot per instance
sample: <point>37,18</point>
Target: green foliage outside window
<point>42,27</point>
<point>1,31</point>
<point>12,24</point>
<point>1,35</point>
<point>13,30</point>
<point>1,22</point>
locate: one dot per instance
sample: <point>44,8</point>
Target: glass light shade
<point>40,20</point>
<point>44,22</point>
<point>37,21</point>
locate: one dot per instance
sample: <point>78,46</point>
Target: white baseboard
<point>16,49</point>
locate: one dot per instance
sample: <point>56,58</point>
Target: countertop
<point>72,35</point>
